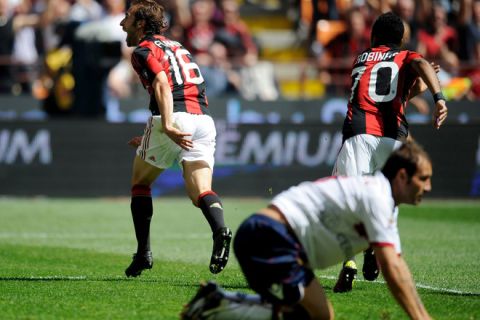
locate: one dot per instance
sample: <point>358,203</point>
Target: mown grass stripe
<point>120,278</point>
<point>418,285</point>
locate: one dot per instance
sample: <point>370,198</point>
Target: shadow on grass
<point>178,283</point>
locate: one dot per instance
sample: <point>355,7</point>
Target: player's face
<point>419,183</point>
<point>131,28</point>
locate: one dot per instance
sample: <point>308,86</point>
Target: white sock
<point>232,310</point>
<point>242,297</point>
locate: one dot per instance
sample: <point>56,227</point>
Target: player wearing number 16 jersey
<point>384,77</point>
<point>180,129</point>
<point>156,53</point>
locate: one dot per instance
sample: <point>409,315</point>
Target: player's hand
<point>440,113</point>
<point>135,142</point>
<point>435,66</point>
<point>179,137</point>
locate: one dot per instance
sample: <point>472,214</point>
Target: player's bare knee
<point>194,196</point>
<point>194,200</point>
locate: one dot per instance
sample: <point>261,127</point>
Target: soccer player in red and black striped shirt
<point>384,77</point>
<point>180,129</point>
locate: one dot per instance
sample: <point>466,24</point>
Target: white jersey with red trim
<point>337,217</point>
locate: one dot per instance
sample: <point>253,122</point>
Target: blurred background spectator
<point>437,40</point>
<point>335,57</point>
<point>405,9</point>
<point>18,47</point>
<point>98,47</point>
<point>71,55</point>
<point>469,44</point>
<point>257,79</point>
<point>199,39</point>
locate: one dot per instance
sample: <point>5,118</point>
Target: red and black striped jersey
<point>156,53</point>
<point>381,82</point>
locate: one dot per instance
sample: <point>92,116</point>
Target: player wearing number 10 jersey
<point>180,129</point>
<point>384,77</point>
<point>377,103</point>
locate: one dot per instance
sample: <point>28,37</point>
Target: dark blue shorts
<point>272,260</point>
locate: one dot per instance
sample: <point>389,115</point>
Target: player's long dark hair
<point>406,157</point>
<point>152,13</point>
<point>387,29</point>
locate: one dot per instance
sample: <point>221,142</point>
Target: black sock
<point>212,209</point>
<point>142,211</point>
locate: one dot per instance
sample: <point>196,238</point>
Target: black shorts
<point>272,260</point>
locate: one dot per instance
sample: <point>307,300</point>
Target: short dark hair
<point>406,157</point>
<point>387,29</point>
<point>152,13</point>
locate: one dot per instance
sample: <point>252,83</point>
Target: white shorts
<point>364,154</point>
<point>160,151</point>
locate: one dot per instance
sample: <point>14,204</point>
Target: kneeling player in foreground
<point>316,225</point>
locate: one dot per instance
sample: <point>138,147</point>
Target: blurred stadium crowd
<point>68,52</point>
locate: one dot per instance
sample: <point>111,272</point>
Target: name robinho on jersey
<point>375,56</point>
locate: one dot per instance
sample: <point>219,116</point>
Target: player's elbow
<point>161,81</point>
<point>421,66</point>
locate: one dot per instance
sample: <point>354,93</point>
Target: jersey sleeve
<point>381,223</point>
<point>411,55</point>
<point>147,61</point>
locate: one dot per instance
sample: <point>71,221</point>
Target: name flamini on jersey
<point>167,43</point>
<point>375,56</point>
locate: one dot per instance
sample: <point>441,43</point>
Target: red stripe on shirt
<point>382,244</point>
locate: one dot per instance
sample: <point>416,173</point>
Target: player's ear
<point>402,176</point>
<point>140,24</point>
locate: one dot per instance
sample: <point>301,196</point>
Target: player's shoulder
<point>376,189</point>
<point>405,53</point>
<point>147,41</point>
<point>410,52</point>
<point>372,185</point>
<point>376,179</point>
<point>140,54</point>
<point>164,42</point>
<point>154,44</point>
<point>145,46</point>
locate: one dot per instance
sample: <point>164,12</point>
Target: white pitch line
<point>45,235</point>
<point>446,290</point>
<point>46,278</point>
<point>418,285</point>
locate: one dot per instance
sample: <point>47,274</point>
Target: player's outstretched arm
<point>427,73</point>
<point>400,282</point>
<point>420,86</point>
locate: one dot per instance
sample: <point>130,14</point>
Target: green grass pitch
<point>64,259</point>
